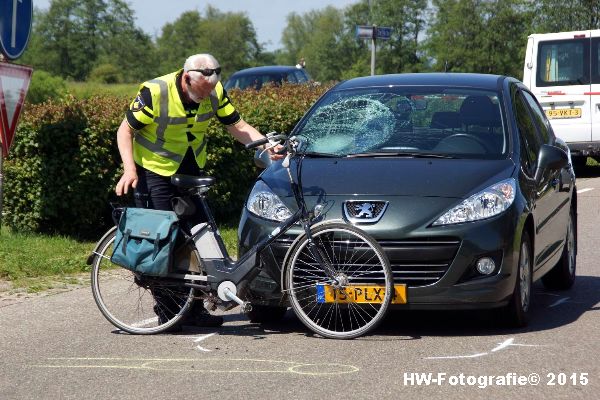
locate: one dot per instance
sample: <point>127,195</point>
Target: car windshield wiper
<point>317,154</point>
<point>400,154</point>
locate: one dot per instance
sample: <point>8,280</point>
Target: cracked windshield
<point>454,123</point>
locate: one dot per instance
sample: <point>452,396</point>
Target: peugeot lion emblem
<point>364,211</point>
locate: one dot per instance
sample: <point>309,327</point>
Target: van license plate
<point>359,294</point>
<point>564,113</point>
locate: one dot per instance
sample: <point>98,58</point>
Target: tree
<point>230,37</point>
<point>406,18</point>
<point>485,36</point>
<point>561,16</point>
<point>73,36</point>
<point>320,37</point>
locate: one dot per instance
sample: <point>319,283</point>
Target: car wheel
<point>517,310</point>
<point>261,314</point>
<point>562,276</point>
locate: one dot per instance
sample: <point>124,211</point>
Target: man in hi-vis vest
<point>164,133</point>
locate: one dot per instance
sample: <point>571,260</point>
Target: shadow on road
<point>550,310</point>
<point>587,171</point>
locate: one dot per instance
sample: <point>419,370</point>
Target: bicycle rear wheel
<point>341,284</point>
<point>135,303</point>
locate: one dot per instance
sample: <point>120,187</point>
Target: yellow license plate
<point>359,294</point>
<point>564,113</point>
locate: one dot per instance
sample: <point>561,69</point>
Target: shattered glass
<point>406,121</point>
<point>352,125</point>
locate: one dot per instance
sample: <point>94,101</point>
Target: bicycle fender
<point>295,243</point>
<point>91,256</point>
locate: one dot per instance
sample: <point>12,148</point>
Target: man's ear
<point>188,80</point>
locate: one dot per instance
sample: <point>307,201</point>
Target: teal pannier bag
<point>145,240</point>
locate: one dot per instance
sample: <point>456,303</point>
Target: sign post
<point>15,26</point>
<point>373,32</point>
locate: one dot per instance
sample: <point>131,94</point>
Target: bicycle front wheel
<point>341,283</point>
<point>135,303</point>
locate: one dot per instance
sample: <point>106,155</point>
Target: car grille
<point>414,262</point>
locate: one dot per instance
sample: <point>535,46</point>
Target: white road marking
<point>144,322</point>
<point>453,357</point>
<point>504,344</point>
<point>199,339</point>
<point>584,190</point>
<point>559,302</point>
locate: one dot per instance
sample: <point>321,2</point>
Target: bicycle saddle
<point>187,181</point>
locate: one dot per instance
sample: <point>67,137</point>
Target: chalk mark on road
<point>208,365</point>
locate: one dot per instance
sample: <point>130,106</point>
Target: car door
<point>530,144</point>
<point>554,199</point>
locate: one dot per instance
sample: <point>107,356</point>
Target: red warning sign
<point>14,83</point>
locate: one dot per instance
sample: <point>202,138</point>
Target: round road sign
<point>15,25</point>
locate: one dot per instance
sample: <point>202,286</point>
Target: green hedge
<point>62,169</point>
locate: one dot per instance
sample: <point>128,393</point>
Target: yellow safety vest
<point>162,143</point>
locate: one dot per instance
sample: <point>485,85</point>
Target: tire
<point>351,259</point>
<point>132,302</point>
<point>517,310</point>
<point>264,314</point>
<point>562,275</point>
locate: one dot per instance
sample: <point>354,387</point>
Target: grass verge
<point>34,263</point>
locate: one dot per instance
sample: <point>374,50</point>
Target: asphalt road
<point>60,347</point>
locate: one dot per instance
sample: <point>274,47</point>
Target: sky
<point>267,16</point>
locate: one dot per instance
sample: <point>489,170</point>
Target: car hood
<point>414,177</point>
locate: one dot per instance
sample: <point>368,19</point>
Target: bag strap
<point>125,240</point>
<point>156,246</point>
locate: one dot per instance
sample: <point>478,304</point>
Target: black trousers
<point>156,191</point>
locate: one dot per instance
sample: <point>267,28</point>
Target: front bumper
<point>437,264</point>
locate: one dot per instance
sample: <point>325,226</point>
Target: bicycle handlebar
<point>256,143</point>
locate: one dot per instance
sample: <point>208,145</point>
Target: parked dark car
<point>258,76</point>
<point>459,177</point>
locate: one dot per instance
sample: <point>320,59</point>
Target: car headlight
<point>485,204</point>
<point>263,203</point>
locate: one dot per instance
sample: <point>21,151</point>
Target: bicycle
<point>337,277</point>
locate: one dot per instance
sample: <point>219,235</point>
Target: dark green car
<point>459,177</point>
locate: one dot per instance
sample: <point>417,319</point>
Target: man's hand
<point>273,153</point>
<point>128,179</point>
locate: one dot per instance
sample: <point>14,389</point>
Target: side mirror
<point>262,159</point>
<point>550,157</point>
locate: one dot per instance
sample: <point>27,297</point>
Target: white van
<point>563,71</point>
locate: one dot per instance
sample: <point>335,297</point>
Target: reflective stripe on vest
<point>163,121</point>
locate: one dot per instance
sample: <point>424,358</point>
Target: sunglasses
<point>208,71</point>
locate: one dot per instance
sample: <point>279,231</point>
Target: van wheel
<point>562,276</point>
<point>517,311</point>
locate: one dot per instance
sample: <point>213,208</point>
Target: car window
<point>301,76</point>
<point>540,118</point>
<point>563,62</point>
<point>459,122</point>
<point>529,138</point>
<point>595,60</point>
<point>291,77</point>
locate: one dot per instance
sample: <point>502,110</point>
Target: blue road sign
<point>364,31</point>
<point>383,32</point>
<point>15,26</point>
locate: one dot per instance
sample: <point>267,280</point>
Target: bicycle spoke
<point>353,260</point>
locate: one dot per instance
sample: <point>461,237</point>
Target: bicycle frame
<point>225,270</point>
